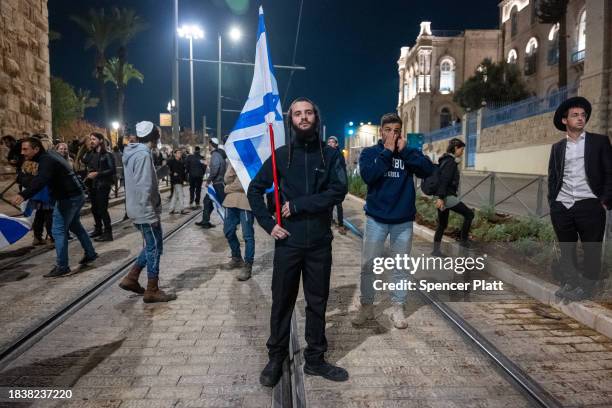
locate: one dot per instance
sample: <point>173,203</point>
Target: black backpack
<point>430,185</point>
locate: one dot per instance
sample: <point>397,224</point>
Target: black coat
<point>312,186</point>
<point>177,171</point>
<point>55,172</point>
<point>104,164</point>
<point>597,163</point>
<point>195,166</point>
<point>449,176</point>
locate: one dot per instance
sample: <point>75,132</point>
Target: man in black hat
<point>311,181</point>
<point>579,192</point>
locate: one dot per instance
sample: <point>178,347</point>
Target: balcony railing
<point>526,108</point>
<point>444,133</point>
<point>578,56</point>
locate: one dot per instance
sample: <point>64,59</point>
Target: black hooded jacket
<point>449,176</point>
<point>55,172</point>
<point>313,180</point>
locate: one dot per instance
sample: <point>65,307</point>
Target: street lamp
<point>115,125</point>
<point>235,34</point>
<point>192,32</point>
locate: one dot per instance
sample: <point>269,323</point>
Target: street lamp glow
<point>350,132</point>
<point>235,34</point>
<point>350,123</point>
<point>193,32</point>
<point>115,125</point>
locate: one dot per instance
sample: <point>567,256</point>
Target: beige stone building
<point>365,135</point>
<point>25,94</point>
<point>431,71</point>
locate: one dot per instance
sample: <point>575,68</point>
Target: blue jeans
<point>153,247</point>
<point>67,216</point>
<point>400,238</point>
<point>233,217</point>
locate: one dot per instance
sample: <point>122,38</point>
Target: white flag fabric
<point>12,229</point>
<point>215,199</point>
<point>248,145</point>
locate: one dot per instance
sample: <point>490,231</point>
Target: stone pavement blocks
<point>178,392</point>
<point>156,380</point>
<point>211,402</point>
<point>196,369</point>
<point>148,403</point>
<point>124,393</point>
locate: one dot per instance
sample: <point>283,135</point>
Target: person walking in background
<point>100,175</point>
<point>67,191</point>
<point>579,192</point>
<point>177,171</point>
<point>195,169</point>
<point>62,149</point>
<point>449,177</point>
<point>143,203</point>
<point>238,212</point>
<point>215,179</point>
<point>332,141</point>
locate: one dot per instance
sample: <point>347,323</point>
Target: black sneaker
<point>87,259</point>
<point>327,371</point>
<point>57,271</point>
<point>207,225</point>
<point>564,289</point>
<point>271,374</point>
<point>579,293</point>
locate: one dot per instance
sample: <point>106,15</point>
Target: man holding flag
<point>309,177</point>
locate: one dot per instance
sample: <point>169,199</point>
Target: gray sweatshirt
<point>143,202</point>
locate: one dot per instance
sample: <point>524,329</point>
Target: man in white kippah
<point>143,204</point>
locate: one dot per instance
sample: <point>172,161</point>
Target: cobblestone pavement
<point>205,349</point>
<point>571,361</point>
<point>26,297</point>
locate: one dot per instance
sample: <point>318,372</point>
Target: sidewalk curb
<point>588,313</point>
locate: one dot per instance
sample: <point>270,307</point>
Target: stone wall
<point>25,93</point>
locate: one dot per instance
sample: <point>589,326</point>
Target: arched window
<point>447,76</point>
<point>512,56</point>
<point>531,57</point>
<point>514,21</point>
<point>581,37</point>
<point>445,117</point>
<point>553,45</point>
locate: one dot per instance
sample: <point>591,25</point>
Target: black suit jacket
<point>597,162</point>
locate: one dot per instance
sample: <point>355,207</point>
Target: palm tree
<point>101,31</point>
<point>128,25</point>
<point>553,12</point>
<point>85,101</point>
<point>120,74</point>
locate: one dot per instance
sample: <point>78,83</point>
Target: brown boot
<point>130,281</point>
<point>154,294</point>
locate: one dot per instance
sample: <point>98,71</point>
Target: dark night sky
<point>350,49</point>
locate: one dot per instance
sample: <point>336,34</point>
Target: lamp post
<point>175,79</point>
<point>235,34</point>
<point>115,126</point>
<point>191,32</point>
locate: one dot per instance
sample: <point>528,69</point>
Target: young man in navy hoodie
<point>388,168</point>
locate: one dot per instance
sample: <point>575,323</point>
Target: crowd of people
<point>313,181</point>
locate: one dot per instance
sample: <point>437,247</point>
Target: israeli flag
<point>12,229</point>
<point>248,145</point>
<point>215,199</point>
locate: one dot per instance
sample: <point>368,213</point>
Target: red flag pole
<point>276,195</point>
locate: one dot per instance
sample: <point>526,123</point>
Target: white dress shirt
<point>575,186</point>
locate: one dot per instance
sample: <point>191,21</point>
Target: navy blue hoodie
<point>391,195</point>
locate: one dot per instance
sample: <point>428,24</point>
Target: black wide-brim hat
<point>575,102</point>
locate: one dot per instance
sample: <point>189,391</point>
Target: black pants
<point>314,266</point>
<point>340,214</point>
<point>208,206</point>
<point>99,205</point>
<point>585,219</point>
<point>462,209</point>
<point>42,220</point>
<point>195,189</point>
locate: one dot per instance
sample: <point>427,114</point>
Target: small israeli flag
<point>248,145</point>
<point>12,229</point>
<point>215,199</point>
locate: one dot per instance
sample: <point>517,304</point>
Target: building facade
<point>365,135</point>
<point>433,69</point>
<point>25,91</point>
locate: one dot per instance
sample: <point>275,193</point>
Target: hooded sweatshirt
<point>142,198</point>
<point>391,195</point>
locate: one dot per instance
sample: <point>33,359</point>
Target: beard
<point>305,135</point>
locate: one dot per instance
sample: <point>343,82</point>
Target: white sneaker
<point>398,317</point>
<point>365,313</point>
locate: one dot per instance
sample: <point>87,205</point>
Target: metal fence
<point>444,133</point>
<point>526,108</point>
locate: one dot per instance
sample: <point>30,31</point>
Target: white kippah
<point>144,128</point>
<point>215,141</point>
